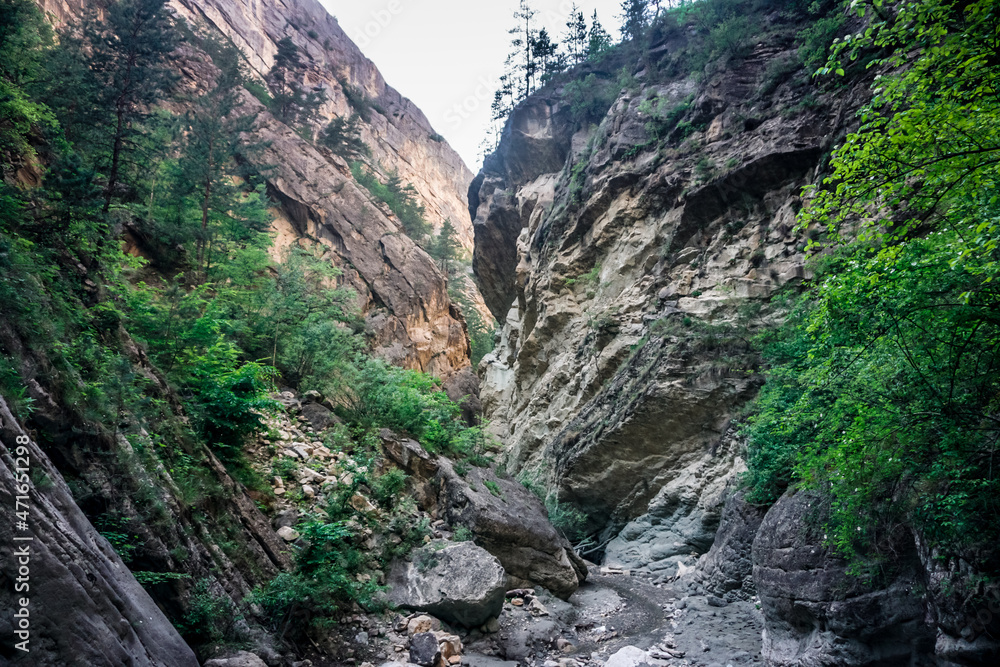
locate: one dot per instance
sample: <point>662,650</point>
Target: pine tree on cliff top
<point>598,40</point>
<point>635,18</point>
<point>575,37</point>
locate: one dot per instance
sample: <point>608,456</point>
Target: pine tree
<point>598,40</point>
<point>208,174</point>
<point>547,56</point>
<point>343,137</point>
<point>635,18</point>
<point>576,38</point>
<point>130,73</point>
<point>446,249</point>
<point>293,104</point>
<point>521,62</point>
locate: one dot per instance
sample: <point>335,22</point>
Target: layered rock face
<point>66,565</point>
<point>399,288</point>
<point>627,263</point>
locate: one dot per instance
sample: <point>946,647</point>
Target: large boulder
<point>728,566</point>
<point>511,523</point>
<point>816,614</point>
<point>462,584</point>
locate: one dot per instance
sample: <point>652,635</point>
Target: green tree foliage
<point>208,181</point>
<point>598,39</point>
<point>883,389</point>
<point>116,63</point>
<point>343,137</point>
<point>401,199</point>
<point>446,249</point>
<point>25,38</point>
<point>635,19</point>
<point>576,38</point>
<point>522,63</point>
<point>293,104</point>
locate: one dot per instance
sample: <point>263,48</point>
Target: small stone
<point>491,626</point>
<point>536,608</point>
<point>361,638</point>
<point>517,602</point>
<point>424,649</point>
<point>288,534</point>
<point>422,623</point>
<point>308,491</point>
<point>714,601</point>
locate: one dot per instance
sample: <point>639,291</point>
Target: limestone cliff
<point>400,290</point>
<point>627,255</point>
<point>631,255</point>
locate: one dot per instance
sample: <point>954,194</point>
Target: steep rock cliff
<point>628,259</point>
<point>62,563</point>
<point>400,290</point>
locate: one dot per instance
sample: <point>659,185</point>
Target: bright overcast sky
<point>446,55</point>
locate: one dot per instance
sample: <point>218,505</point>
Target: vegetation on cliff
<point>883,385</point>
<point>171,358</point>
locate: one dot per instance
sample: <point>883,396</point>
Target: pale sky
<point>446,55</point>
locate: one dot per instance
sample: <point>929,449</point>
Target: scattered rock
<point>241,659</point>
<point>714,601</point>
<point>536,608</point>
<point>420,624</point>
<point>630,656</point>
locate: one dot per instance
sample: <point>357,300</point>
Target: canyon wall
<point>400,290</point>
<point>630,263</point>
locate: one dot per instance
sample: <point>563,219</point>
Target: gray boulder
<point>319,416</point>
<point>462,584</point>
<point>424,649</point>
<point>513,526</point>
<point>817,614</point>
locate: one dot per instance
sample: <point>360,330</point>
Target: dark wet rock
<point>424,649</point>
<point>817,614</point>
<point>728,566</point>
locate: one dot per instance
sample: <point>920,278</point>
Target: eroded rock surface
<point>817,614</point>
<point>86,608</point>
<point>627,270</point>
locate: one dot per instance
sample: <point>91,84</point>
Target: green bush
<point>816,40</point>
<point>590,98</point>
<point>325,580</point>
<point>210,617</point>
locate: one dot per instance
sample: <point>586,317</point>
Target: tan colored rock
<point>422,623</point>
<point>596,386</point>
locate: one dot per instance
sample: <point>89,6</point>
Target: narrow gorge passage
<point>696,367</point>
